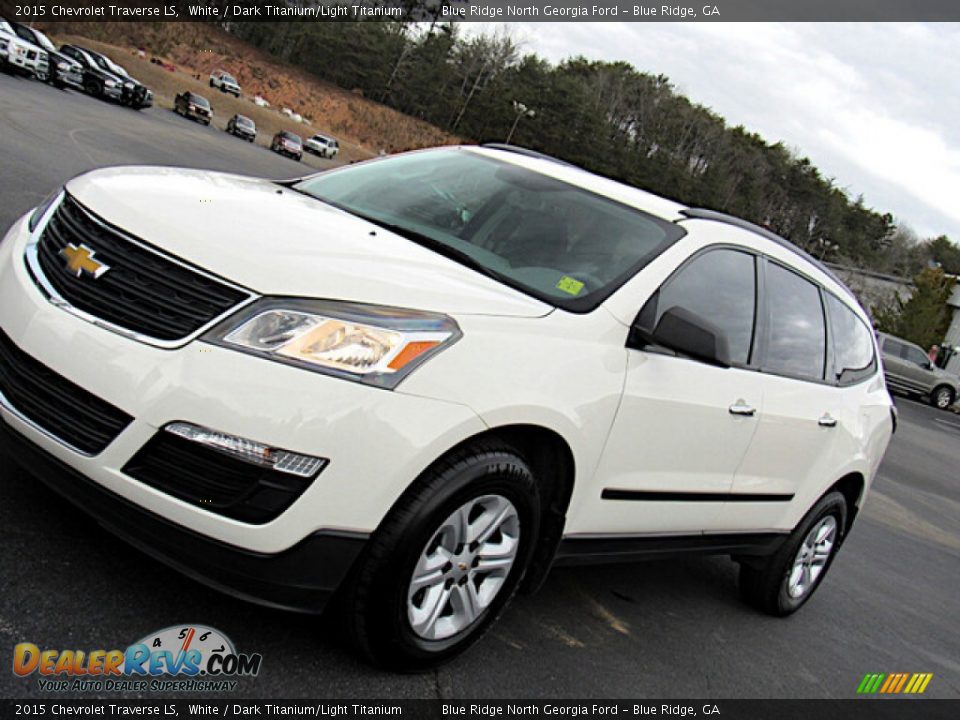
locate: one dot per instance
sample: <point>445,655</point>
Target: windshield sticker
<point>569,285</point>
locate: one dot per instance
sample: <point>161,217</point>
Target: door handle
<point>827,420</point>
<point>740,407</point>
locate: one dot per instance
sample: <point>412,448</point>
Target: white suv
<point>17,53</point>
<point>445,372</point>
<point>322,145</point>
<point>225,82</point>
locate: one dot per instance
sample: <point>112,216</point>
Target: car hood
<point>276,241</point>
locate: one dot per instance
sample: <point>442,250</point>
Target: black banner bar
<point>900,708</point>
<point>481,10</point>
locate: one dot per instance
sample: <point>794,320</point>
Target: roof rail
<point>526,152</point>
<point>704,214</point>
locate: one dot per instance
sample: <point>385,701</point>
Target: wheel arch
<point>851,486</point>
<point>552,462</point>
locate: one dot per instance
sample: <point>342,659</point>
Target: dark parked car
<point>909,370</point>
<point>288,143</point>
<point>191,105</point>
<point>243,127</point>
<point>61,70</point>
<point>105,79</point>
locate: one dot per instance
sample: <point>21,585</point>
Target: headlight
<point>62,66</point>
<point>109,83</point>
<point>37,215</point>
<point>371,344</point>
<point>128,85</point>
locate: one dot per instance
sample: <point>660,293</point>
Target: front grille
<point>50,401</point>
<point>213,480</point>
<point>142,291</point>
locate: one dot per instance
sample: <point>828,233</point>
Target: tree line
<point>608,117</point>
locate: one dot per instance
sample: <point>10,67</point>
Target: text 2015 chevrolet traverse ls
<point>423,379</point>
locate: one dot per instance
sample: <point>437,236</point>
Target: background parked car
<point>191,105</point>
<point>133,92</point>
<point>909,370</point>
<point>242,127</point>
<point>225,82</point>
<point>60,70</point>
<point>289,144</point>
<point>96,81</point>
<point>19,55</point>
<point>322,145</point>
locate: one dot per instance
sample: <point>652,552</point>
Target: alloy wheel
<point>463,567</point>
<point>812,557</point>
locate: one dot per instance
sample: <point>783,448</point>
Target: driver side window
<point>721,287</point>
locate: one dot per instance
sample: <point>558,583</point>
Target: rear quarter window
<point>852,342</point>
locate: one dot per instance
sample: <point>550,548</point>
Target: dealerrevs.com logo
<point>178,658</point>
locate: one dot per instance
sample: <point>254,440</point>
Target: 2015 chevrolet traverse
<point>421,380</point>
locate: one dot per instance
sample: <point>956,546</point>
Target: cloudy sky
<point>874,105</point>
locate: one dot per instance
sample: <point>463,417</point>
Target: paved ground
<point>663,629</point>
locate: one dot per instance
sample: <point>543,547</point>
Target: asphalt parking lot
<point>657,630</point>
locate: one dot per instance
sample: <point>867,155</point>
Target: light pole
<point>520,109</point>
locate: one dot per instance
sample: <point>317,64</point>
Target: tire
<point>92,87</point>
<point>211,82</point>
<point>378,600</point>
<point>768,588</point>
<point>942,397</point>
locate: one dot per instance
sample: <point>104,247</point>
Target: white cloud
<point>870,103</point>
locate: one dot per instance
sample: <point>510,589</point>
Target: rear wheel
<point>445,561</point>
<point>787,580</point>
<point>942,397</point>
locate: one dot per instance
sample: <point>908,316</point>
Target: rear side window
<point>852,342</point>
<point>719,286</point>
<point>797,335</point>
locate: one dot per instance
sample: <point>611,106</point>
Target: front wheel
<point>446,560</point>
<point>942,398</point>
<point>788,578</point>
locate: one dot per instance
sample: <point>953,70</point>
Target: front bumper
<point>70,77</point>
<point>377,441</point>
<point>302,578</point>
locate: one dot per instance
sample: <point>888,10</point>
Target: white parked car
<point>20,55</point>
<point>260,101</point>
<point>322,145</point>
<point>224,82</point>
<point>446,371</point>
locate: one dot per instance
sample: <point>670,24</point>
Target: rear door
<point>683,426</point>
<point>917,368</point>
<point>804,417</point>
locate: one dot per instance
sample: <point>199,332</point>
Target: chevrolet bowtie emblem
<point>79,261</point>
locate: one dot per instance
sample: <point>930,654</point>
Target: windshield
<point>555,241</point>
<point>201,101</point>
<point>245,121</point>
<point>229,79</point>
<point>44,41</point>
<point>295,139</point>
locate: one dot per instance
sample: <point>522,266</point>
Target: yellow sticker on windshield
<point>569,285</point>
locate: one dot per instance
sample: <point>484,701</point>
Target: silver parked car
<point>908,369</point>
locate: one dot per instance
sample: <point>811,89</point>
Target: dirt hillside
<point>191,51</point>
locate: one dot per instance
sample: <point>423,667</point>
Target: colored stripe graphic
<point>894,683</point>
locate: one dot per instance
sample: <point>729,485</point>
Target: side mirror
<point>685,333</point>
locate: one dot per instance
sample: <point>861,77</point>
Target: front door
<point>683,426</point>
